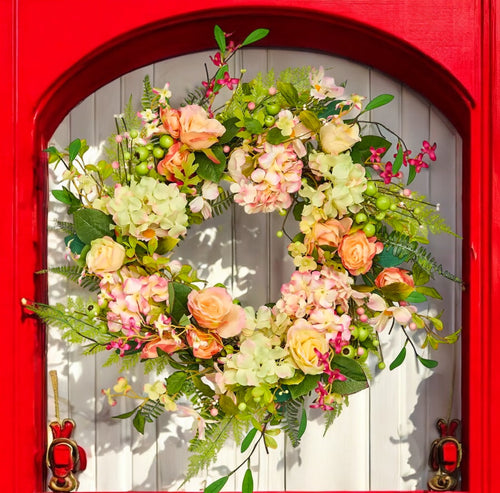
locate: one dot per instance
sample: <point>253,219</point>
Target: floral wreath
<point>295,144</point>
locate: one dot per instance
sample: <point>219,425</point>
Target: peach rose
<point>327,233</point>
<point>357,252</point>
<point>302,340</point>
<point>213,309</point>
<point>165,343</point>
<point>174,159</point>
<point>391,275</point>
<point>197,130</point>
<point>203,344</point>
<point>170,120</point>
<point>336,138</point>
<point>105,255</point>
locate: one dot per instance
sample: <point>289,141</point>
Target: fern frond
<point>65,226</point>
<point>222,203</point>
<point>196,96</point>
<point>331,415</point>
<point>76,320</point>
<point>74,274</point>
<point>292,412</point>
<point>147,94</point>
<point>204,452</point>
<point>410,251</point>
<point>152,410</point>
<point>157,365</point>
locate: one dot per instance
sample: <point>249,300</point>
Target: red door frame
<point>55,53</point>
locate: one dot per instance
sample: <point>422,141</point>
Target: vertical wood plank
<point>385,388</point>
<point>82,369</point>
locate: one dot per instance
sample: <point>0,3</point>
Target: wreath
<point>295,144</point>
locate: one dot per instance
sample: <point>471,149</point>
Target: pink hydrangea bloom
<point>277,175</point>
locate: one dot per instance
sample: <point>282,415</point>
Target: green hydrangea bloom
<point>148,209</point>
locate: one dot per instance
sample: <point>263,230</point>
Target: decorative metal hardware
<point>64,456</point>
<point>445,457</point>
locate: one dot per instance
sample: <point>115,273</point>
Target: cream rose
<point>105,255</point>
<point>391,275</point>
<point>302,340</point>
<point>213,309</point>
<point>357,252</point>
<point>197,130</point>
<point>336,138</point>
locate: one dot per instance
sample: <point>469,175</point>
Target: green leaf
<point>438,323</point>
<point>231,130</point>
<point>310,120</point>
<point>428,291</point>
<point>378,101</point>
<point>247,485</point>
<point>288,92</point>
<point>74,243</point>
<point>275,137</point>
<point>399,359</point>
<point>91,224</point>
<point>411,174</point>
<point>247,441</point>
<point>65,196</point>
<point>330,109</point>
<point>152,245</point>
<point>270,442</point>
<point>399,160</point>
<point>420,277</point>
<point>178,295</point>
<point>303,424</point>
<point>387,258</point>
<point>74,148</point>
<point>202,387</point>
<point>175,382</point>
<point>360,151</point>
<point>397,291</point>
<point>309,383</point>
<point>253,126</point>
<point>355,376</point>
<point>139,422</point>
<point>216,486</point>
<point>220,38</point>
<point>428,363</point>
<point>207,169</point>
<point>416,297</point>
<point>254,36</point>
<point>125,415</point>
<point>227,405</point>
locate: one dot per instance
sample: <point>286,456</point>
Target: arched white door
<point>381,441</point>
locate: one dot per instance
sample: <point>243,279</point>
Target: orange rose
<point>170,119</point>
<point>174,159</point>
<point>203,344</point>
<point>357,252</point>
<point>197,130</point>
<point>327,233</point>
<point>213,309</point>
<point>391,275</point>
<point>165,343</point>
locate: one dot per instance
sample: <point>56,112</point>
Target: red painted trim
<point>446,49</point>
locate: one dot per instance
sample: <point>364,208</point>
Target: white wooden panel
<point>382,439</point>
